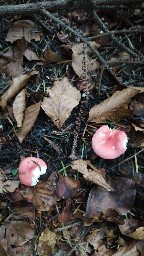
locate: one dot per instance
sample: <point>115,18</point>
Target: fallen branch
<point>32,7</point>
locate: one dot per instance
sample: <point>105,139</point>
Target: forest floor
<point>66,69</point>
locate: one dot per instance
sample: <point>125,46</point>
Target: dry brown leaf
<point>63,98</point>
<point>15,238</point>
<point>11,62</point>
<point>91,173</point>
<point>42,196</point>
<point>31,114</point>
<point>78,58</point>
<point>114,107</point>
<point>16,86</point>
<point>47,242</point>
<point>105,202</point>
<point>8,186</point>
<point>132,229</point>
<point>66,214</point>
<point>23,28</point>
<point>19,107</point>
<point>66,187</point>
<point>52,57</point>
<point>30,55</point>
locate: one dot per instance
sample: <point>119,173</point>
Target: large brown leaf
<point>31,114</point>
<point>15,238</point>
<point>16,86</point>
<point>104,202</point>
<point>63,98</point>
<point>23,28</point>
<point>114,107</point>
<point>91,173</point>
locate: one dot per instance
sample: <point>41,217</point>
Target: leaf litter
<point>55,92</point>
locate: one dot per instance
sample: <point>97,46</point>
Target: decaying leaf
<point>137,105</point>
<point>31,114</point>
<point>132,229</point>
<point>114,107</point>
<point>15,238</point>
<point>52,57</point>
<point>121,200</point>
<point>63,98</point>
<point>11,62</point>
<point>47,242</point>
<point>8,186</point>
<point>66,214</point>
<point>30,55</point>
<point>19,105</point>
<point>78,59</point>
<point>23,28</point>
<point>42,196</point>
<point>16,86</point>
<point>91,173</point>
<point>67,187</point>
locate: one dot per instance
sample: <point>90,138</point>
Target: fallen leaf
<point>7,185</point>
<point>137,105</point>
<point>132,229</point>
<point>11,62</point>
<point>23,210</point>
<point>66,214</point>
<point>23,28</point>
<point>30,55</point>
<point>121,200</point>
<point>114,107</point>
<point>19,105</point>
<point>78,59</point>
<point>42,196</point>
<point>63,98</point>
<point>16,86</point>
<point>52,57</point>
<point>31,114</point>
<point>91,173</point>
<point>2,251</point>
<point>47,242</point>
<point>66,187</point>
<point>15,238</point>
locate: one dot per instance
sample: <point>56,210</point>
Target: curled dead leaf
<point>114,107</point>
<point>91,173</point>
<point>16,86</point>
<point>31,114</point>
<point>19,107</point>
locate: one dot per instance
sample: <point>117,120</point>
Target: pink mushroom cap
<point>30,169</point>
<point>109,143</point>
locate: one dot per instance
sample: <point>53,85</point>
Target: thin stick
<point>32,7</point>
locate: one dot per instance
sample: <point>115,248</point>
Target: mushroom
<point>30,169</point>
<point>109,143</point>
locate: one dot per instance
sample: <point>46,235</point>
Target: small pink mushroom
<point>109,143</point>
<point>30,169</point>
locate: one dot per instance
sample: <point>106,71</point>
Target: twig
<point>123,31</point>
<point>32,7</point>
<point>115,2</point>
<point>84,40</point>
<point>115,40</point>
